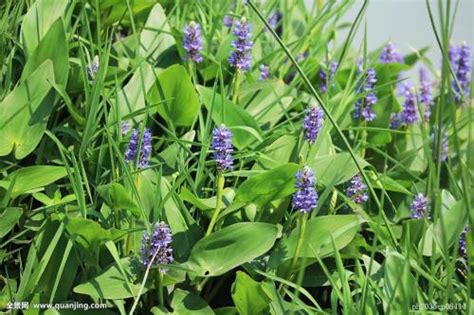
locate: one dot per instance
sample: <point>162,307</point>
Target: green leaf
<point>386,182</point>
<point>185,230</point>
<point>31,178</point>
<point>89,234</point>
<point>180,105</point>
<point>267,101</point>
<point>38,20</point>
<point>207,203</point>
<point>156,42</point>
<point>53,47</point>
<point>270,185</point>
<point>230,114</point>
<point>317,239</point>
<point>24,113</point>
<point>248,295</point>
<point>185,302</point>
<point>111,284</point>
<point>335,169</point>
<point>8,219</point>
<point>231,247</point>
<point>117,197</point>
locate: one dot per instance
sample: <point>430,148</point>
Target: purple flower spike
<point>222,146</point>
<point>275,22</point>
<point>124,128</point>
<point>409,114</point>
<point>305,198</point>
<point>93,68</point>
<point>444,146</point>
<point>357,191</point>
<point>145,150</point>
<point>313,121</point>
<point>157,249</point>
<point>264,72</point>
<point>395,120</point>
<point>131,151</point>
<point>426,95</point>
<point>193,42</point>
<point>462,242</point>
<point>363,108</point>
<point>460,58</point>
<point>390,54</point>
<point>324,76</point>
<point>419,207</point>
<point>241,57</point>
<point>228,21</point>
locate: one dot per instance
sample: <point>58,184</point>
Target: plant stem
<point>220,188</point>
<point>302,223</point>
<point>160,287</point>
<point>235,91</point>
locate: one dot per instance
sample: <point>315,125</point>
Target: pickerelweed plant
<point>234,157</point>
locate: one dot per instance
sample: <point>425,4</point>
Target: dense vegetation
<point>230,157</point>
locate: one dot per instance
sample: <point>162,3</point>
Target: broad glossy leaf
<point>54,47</point>
<point>248,295</point>
<point>185,230</point>
<point>180,104</point>
<point>335,169</point>
<point>185,302</point>
<point>87,232</point>
<point>32,178</point>
<point>317,239</point>
<point>24,113</point>
<point>111,284</point>
<point>39,19</point>
<point>231,247</point>
<point>117,197</point>
<point>268,186</point>
<point>267,101</point>
<point>230,114</point>
<point>8,218</point>
<point>156,42</point>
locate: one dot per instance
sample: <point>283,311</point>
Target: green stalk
<point>220,189</point>
<point>302,222</point>
<point>302,219</point>
<point>235,90</point>
<point>159,286</point>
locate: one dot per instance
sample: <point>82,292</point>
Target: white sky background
<point>406,22</point>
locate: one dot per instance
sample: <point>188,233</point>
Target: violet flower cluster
<point>326,77</point>
<point>156,250</point>
<point>124,128</point>
<point>460,58</point>
<point>93,68</point>
<point>409,115</point>
<point>275,22</point>
<point>444,147</point>
<point>305,198</point>
<point>228,21</point>
<point>419,207</point>
<point>145,148</point>
<point>222,147</point>
<point>357,191</point>
<point>390,54</point>
<point>312,123</point>
<point>425,93</point>
<point>463,242</point>
<point>363,108</point>
<point>241,57</point>
<point>193,42</point>
<point>264,72</point>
